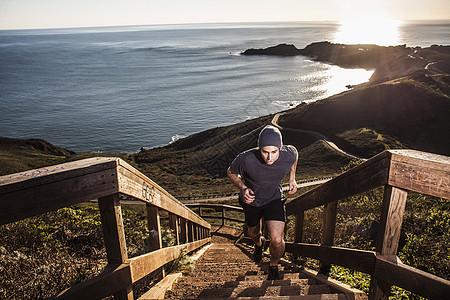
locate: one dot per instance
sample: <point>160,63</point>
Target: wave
<point>176,137</point>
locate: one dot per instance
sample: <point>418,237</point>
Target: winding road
<point>317,134</point>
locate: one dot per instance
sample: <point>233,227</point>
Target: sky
<point>26,14</point>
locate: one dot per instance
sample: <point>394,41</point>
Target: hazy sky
<point>15,14</point>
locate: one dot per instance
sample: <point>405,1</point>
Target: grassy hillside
<point>410,112</point>
<point>404,105</point>
<point>197,164</point>
<point>18,155</point>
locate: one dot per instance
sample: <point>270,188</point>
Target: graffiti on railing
<point>150,194</point>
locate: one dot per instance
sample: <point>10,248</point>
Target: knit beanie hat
<point>270,136</point>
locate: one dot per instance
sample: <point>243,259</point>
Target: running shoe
<point>273,273</point>
<point>258,253</point>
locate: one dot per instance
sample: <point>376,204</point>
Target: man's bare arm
<point>292,182</point>
<point>247,193</point>
<point>236,180</point>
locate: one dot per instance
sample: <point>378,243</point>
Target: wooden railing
<point>38,191</point>
<point>399,171</point>
<point>35,192</point>
<point>222,208</point>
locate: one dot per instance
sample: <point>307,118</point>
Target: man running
<point>258,173</point>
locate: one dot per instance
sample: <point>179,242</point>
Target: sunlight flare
<point>382,32</point>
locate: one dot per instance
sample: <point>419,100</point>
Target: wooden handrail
<point>42,190</point>
<point>38,191</point>
<point>222,207</point>
<point>216,206</point>
<point>397,171</point>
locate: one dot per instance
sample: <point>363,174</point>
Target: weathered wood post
<point>197,232</point>
<point>191,232</point>
<point>194,232</point>
<point>114,235</point>
<point>298,227</point>
<point>154,229</point>
<point>183,230</point>
<point>388,236</point>
<point>173,224</point>
<point>329,226</point>
<point>223,216</point>
<point>186,225</point>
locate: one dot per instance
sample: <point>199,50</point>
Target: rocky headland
<point>388,62</point>
<point>407,96</point>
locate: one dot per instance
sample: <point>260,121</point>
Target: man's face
<point>270,154</point>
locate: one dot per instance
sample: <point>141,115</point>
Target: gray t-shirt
<point>264,179</point>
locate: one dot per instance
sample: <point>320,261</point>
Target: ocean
<point>119,89</point>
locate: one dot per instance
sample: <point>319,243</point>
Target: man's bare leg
<point>255,234</point>
<point>276,230</point>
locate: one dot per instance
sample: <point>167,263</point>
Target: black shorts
<point>274,210</point>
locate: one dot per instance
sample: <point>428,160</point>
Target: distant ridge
<point>367,56</point>
<point>279,50</point>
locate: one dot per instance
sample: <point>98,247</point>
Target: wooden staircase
<point>227,271</point>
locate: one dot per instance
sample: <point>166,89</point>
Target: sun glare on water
<point>382,32</point>
<point>335,80</point>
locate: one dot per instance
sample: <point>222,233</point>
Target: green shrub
<point>41,256</point>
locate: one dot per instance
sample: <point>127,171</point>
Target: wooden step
<point>256,274</point>
<point>236,274</point>
<point>214,290</point>
<point>276,297</point>
<point>290,287</point>
<point>297,297</point>
<point>250,268</point>
<point>236,283</point>
<point>263,276</point>
<point>227,271</point>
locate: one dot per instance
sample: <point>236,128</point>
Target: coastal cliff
<point>406,98</point>
<point>366,56</point>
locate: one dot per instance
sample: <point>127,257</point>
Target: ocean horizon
<point>121,88</point>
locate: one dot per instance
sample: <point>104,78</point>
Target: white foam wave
<point>176,137</point>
